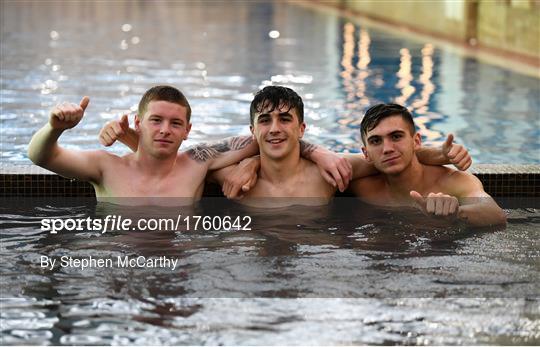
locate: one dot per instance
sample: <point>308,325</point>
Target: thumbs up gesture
<point>437,204</point>
<point>114,130</point>
<point>456,154</point>
<point>67,115</point>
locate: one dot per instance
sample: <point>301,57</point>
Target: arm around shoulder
<point>222,154</point>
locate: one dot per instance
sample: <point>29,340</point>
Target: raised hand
<point>456,154</point>
<point>67,115</point>
<point>437,204</point>
<point>114,130</point>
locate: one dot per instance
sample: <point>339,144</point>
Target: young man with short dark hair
<point>276,117</point>
<point>391,144</point>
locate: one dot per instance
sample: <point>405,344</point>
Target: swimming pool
<point>220,53</point>
<point>311,276</point>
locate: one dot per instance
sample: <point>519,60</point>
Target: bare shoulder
<point>108,161</point>
<point>314,178</point>
<point>190,156</point>
<point>459,183</point>
<point>104,156</point>
<point>188,164</point>
<point>366,186</point>
<point>311,170</point>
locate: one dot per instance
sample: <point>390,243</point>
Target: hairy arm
<point>44,150</point>
<point>224,153</point>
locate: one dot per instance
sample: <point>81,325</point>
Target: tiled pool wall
<point>500,181</point>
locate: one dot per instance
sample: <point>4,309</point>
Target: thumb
<point>418,199</point>
<point>124,122</point>
<point>84,102</point>
<point>246,187</point>
<point>449,141</point>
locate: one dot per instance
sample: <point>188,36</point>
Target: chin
<point>391,170</point>
<point>163,154</point>
<point>274,155</point>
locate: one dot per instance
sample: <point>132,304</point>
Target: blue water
<point>220,53</point>
<point>313,276</point>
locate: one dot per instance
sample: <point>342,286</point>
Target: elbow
<point>33,156</point>
<point>502,217</point>
<point>39,157</point>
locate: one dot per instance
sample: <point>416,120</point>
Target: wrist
<point>462,213</point>
<point>54,131</point>
<point>317,153</point>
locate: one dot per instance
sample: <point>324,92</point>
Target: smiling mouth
<point>390,159</point>
<point>275,141</point>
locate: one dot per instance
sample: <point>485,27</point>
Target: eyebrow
<point>172,120</point>
<point>389,134</point>
<point>397,132</point>
<point>373,137</point>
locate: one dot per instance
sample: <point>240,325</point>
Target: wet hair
<point>375,114</point>
<point>164,93</point>
<point>273,97</point>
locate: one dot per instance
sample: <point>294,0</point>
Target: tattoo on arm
<point>203,152</point>
<point>306,149</point>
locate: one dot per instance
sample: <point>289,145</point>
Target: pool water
<point>311,276</point>
<point>220,53</point>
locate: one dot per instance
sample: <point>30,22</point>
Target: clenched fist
<point>437,204</point>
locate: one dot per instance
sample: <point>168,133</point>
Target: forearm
<point>44,145</point>
<point>482,213</point>
<point>431,156</point>
<point>224,153</point>
<point>360,166</point>
<point>219,176</point>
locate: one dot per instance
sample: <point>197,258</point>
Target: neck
<point>411,178</point>
<point>278,171</point>
<point>148,164</point>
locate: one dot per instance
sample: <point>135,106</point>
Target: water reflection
<point>228,278</point>
<point>220,54</point>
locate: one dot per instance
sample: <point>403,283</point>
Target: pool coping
<point>17,180</point>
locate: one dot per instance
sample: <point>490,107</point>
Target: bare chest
<point>123,181</point>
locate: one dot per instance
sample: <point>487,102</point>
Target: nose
<point>388,146</point>
<point>275,127</point>
<point>165,128</point>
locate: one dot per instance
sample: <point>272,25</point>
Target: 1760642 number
<point>196,223</point>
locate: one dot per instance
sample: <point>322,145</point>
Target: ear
<point>302,129</point>
<point>417,141</point>
<point>137,123</point>
<point>368,159</point>
<point>252,129</point>
<point>188,129</point>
